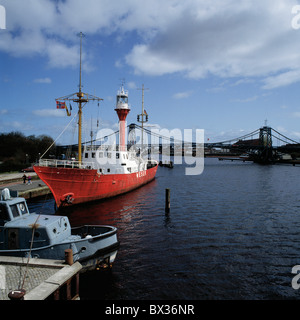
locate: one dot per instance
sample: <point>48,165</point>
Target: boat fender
<point>68,198</point>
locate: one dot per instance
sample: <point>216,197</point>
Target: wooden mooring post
<point>69,256</point>
<point>167,204</point>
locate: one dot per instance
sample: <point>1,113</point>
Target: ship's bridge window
<point>117,155</point>
<point>14,210</point>
<point>86,155</point>
<point>93,154</point>
<point>3,214</point>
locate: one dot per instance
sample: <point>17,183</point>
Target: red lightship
<point>101,171</point>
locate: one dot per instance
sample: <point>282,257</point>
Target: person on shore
<point>24,178</point>
<point>29,180</point>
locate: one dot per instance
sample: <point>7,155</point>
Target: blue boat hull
<point>90,246</point>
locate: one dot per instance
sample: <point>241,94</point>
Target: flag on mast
<point>60,105</point>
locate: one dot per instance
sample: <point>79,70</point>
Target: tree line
<point>18,151</point>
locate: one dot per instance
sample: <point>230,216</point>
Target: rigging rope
<point>59,136</point>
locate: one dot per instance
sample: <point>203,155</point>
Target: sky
<point>227,67</point>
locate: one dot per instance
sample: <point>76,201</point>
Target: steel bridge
<point>264,145</point>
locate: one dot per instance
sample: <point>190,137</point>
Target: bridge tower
<point>265,136</point>
<point>266,152</point>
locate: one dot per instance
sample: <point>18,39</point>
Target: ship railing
<point>109,148</point>
<point>102,148</point>
<point>55,163</point>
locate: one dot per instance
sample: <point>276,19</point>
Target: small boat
<point>25,234</point>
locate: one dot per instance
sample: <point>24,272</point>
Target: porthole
<point>37,234</point>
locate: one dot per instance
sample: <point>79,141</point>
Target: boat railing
<point>108,148</point>
<point>151,163</point>
<point>102,148</point>
<point>65,164</point>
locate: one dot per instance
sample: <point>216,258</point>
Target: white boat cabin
<point>111,161</point>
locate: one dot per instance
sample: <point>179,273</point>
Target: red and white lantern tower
<point>122,110</point>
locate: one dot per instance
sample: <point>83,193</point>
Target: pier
<point>42,279</point>
<point>14,182</point>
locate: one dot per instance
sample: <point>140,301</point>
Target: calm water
<point>232,233</point>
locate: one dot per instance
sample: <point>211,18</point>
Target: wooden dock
<point>42,279</point>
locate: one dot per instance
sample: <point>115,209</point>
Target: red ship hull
<point>71,186</point>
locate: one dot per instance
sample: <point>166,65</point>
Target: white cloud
<point>281,129</point>
<point>144,60</point>
<point>224,38</point>
<point>42,80</point>
<point>296,134</point>
<point>131,85</point>
<point>296,114</point>
<point>16,124</point>
<point>250,99</point>
<point>49,112</point>
<point>282,79</point>
<point>61,55</point>
<point>182,95</point>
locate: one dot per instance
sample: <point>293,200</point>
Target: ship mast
<point>81,98</point>
<point>140,117</point>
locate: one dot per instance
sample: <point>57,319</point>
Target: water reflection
<point>118,211</point>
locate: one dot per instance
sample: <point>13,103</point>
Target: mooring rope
<point>32,236</point>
